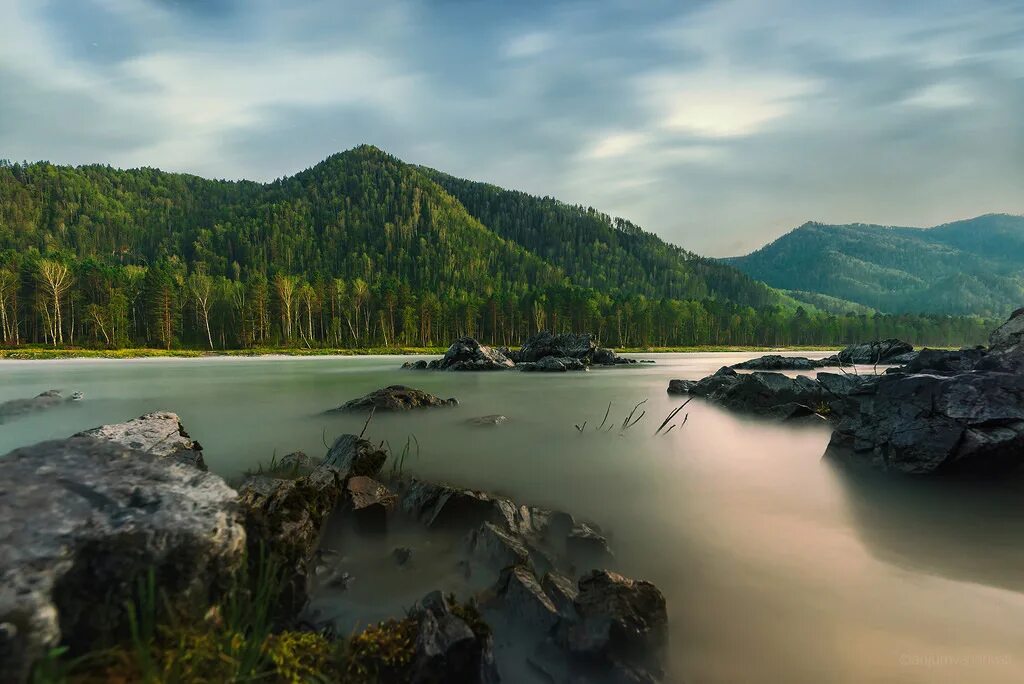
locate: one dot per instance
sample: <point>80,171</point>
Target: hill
<point>967,267</point>
<point>364,250</point>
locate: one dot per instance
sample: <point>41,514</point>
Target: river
<point>776,567</point>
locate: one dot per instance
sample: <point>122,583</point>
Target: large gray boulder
<point>467,354</point>
<point>82,520</point>
<point>394,398</point>
<point>969,423</point>
<point>777,362</point>
<point>160,433</point>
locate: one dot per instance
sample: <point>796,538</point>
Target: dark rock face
<point>620,622</point>
<point>444,506</point>
<point>607,357</point>
<point>571,345</point>
<point>395,398</point>
<point>969,423</point>
<point>370,502</point>
<point>941,362</point>
<point>467,354</point>
<point>159,433</point>
<point>523,598</point>
<point>45,400</point>
<point>416,365</point>
<point>775,362</point>
<point>447,647</point>
<point>553,364</point>
<point>85,518</point>
<point>293,465</point>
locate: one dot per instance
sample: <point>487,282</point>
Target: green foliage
<point>363,251</point>
<point>962,268</point>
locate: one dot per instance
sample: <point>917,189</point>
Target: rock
<point>1008,337</point>
<point>488,421</point>
<point>969,423</point>
<point>293,465</point>
<point>370,501</point>
<point>82,520</point>
<point>585,545</point>
<point>522,599</point>
<point>942,362</point>
<point>159,433</point>
<point>494,546</point>
<point>448,648</point>
<point>353,455</point>
<point>562,592</point>
<point>775,362</point>
<point>712,384</point>
<point>878,352</point>
<point>438,505</point>
<point>552,364</point>
<point>607,357</point>
<point>620,621</point>
<point>45,400</point>
<point>565,345</point>
<point>394,398</point>
<point>415,365</point>
<point>466,354</point>
<point>402,555</point>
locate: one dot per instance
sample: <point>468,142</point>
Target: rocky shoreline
<point>85,518</point>
<point>932,413</point>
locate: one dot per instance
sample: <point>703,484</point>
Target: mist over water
<point>776,567</point>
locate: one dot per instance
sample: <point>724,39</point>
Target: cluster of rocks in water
<point>880,352</point>
<point>49,399</point>
<point>544,352</point>
<point>84,518</point>
<point>938,412</point>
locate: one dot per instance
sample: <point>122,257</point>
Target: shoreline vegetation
<point>51,353</point>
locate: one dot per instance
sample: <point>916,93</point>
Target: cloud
<point>717,124</point>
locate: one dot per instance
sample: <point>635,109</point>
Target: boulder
<point>722,378</point>
<point>969,423</point>
<point>553,364</point>
<point>444,506</point>
<point>941,362</point>
<point>294,464</point>
<point>394,398</point>
<point>159,433</point>
<point>1008,337</point>
<point>415,365</point>
<point>82,520</point>
<point>562,592</point>
<point>450,648</point>
<point>619,621</point>
<point>467,354</point>
<point>354,455</point>
<point>44,400</point>
<point>775,362</point>
<point>545,344</point>
<point>607,357</point>
<point>877,352</point>
<point>586,546</point>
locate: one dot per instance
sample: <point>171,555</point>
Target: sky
<point>718,125</point>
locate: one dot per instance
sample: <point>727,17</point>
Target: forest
<point>363,250</point>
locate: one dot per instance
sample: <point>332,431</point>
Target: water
<point>775,566</point>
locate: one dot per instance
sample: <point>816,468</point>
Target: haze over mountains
<point>974,266</point>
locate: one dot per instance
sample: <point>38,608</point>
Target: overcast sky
<point>717,125</point>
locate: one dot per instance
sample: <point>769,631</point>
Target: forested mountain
<point>974,266</point>
<point>365,250</point>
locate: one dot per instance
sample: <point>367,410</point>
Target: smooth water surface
<point>776,567</point>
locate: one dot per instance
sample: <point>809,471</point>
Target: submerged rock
<point>44,400</point>
<point>82,520</point>
<point>488,421</point>
<point>395,398</point>
<point>415,365</point>
<point>160,433</point>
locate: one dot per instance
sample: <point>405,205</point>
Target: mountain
<point>970,267</point>
<point>366,250</point>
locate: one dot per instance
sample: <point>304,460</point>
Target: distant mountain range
<point>975,266</point>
